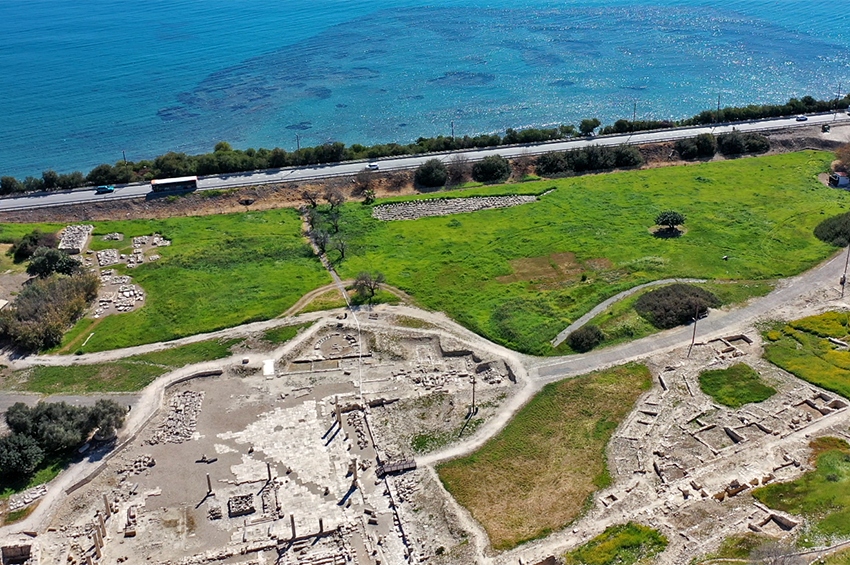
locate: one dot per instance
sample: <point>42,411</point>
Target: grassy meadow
<point>220,271</point>
<point>517,276</point>
<point>802,348</point>
<point>822,495</point>
<point>738,385</point>
<point>538,473</point>
<point>520,275</point>
<point>627,544</point>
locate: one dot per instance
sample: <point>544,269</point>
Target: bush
<point>42,311</point>
<point>585,338</point>
<point>835,230</point>
<point>432,173</point>
<point>593,158</point>
<point>737,143</point>
<point>493,169</point>
<point>670,218</point>
<point>46,261</point>
<point>704,145</point>
<point>24,248</point>
<point>674,305</point>
<point>20,455</point>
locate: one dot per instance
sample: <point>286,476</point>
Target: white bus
<point>180,183</point>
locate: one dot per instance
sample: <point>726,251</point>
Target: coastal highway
<point>87,195</point>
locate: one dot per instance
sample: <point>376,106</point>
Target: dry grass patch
<point>537,474</point>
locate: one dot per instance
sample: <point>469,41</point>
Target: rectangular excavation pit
<point>754,431</point>
<point>776,525</point>
<point>809,412</point>
<point>714,437</point>
<point>16,554</point>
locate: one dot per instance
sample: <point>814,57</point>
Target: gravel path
<point>559,339</point>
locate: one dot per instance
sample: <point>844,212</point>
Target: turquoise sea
<point>82,81</point>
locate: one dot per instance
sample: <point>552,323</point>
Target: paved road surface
<point>390,164</point>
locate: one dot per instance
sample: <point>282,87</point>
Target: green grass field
<point>822,495</point>
<point>520,275</point>
<point>620,322</point>
<point>535,477</point>
<point>127,375</point>
<point>801,348</point>
<point>627,544</point>
<point>738,385</point>
<point>220,271</point>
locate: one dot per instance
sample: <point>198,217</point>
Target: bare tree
<point>334,197</point>
<point>364,180</point>
<point>311,216</point>
<point>458,170</point>
<point>311,197</point>
<point>523,166</point>
<point>367,284</point>
<point>342,246</point>
<point>334,217</point>
<point>321,238</point>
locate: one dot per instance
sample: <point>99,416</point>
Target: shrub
<point>674,305</point>
<point>703,145</point>
<point>737,143</point>
<point>593,158</point>
<point>493,169</point>
<point>835,230</point>
<point>9,185</point>
<point>19,455</point>
<point>24,248</point>
<point>669,218</point>
<point>585,338</point>
<point>432,173</point>
<point>43,310</point>
<point>587,126</point>
<point>46,261</point>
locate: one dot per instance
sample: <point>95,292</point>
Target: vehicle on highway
<point>373,166</point>
<point>179,183</point>
<point>104,189</point>
<point>802,118</point>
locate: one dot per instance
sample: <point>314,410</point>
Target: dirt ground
<point>383,183</point>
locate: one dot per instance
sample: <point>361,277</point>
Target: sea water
<point>82,82</point>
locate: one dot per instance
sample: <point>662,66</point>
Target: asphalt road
<point>81,196</point>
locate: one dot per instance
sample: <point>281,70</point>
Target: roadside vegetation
<point>536,476</point>
<point>803,349</point>
<point>225,159</point>
<point>627,544</point>
<point>519,276</point>
<point>822,496</point>
<point>738,385</point>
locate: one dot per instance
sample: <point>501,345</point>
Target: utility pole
<point>835,117</point>
<point>298,141</point>
<point>634,113</point>
<point>453,129</point>
<point>472,410</point>
<point>844,276</point>
<point>694,337</point>
<point>124,153</point>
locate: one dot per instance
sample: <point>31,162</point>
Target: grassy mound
<point>822,495</point>
<point>738,385</point>
<point>627,544</point>
<point>675,305</point>
<point>802,348</point>
<point>536,475</point>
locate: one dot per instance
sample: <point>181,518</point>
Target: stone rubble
<point>108,257</point>
<point>74,238</point>
<point>27,497</point>
<point>415,209</point>
<point>137,467</point>
<point>114,236</point>
<point>182,419</point>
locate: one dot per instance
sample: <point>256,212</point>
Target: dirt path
<point>559,339</point>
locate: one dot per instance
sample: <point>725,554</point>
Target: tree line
<point>224,159</point>
<point>51,430</point>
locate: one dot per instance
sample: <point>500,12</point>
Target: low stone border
<point>415,209</point>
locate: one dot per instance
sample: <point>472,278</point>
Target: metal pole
<point>835,117</point>
<point>473,395</point>
<point>453,129</point>
<point>298,141</point>
<point>694,337</point>
<point>844,276</point>
<point>124,153</point>
<point>634,113</point>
